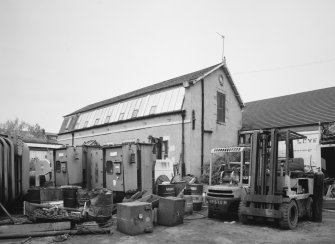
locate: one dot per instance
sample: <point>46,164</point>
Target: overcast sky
<point>57,56</point>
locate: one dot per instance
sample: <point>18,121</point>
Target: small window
<point>153,110</point>
<point>63,167</point>
<point>96,122</point>
<point>165,149</point>
<point>162,149</point>
<point>109,167</point>
<point>134,114</point>
<point>221,107</point>
<point>85,125</point>
<point>121,116</point>
<point>107,119</point>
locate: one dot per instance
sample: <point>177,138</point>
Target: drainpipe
<point>183,113</point>
<point>202,123</point>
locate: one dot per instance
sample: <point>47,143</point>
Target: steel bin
<point>134,218</point>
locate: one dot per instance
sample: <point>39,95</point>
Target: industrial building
<point>310,113</point>
<point>189,114</point>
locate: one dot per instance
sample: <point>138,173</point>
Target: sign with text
<point>308,148</point>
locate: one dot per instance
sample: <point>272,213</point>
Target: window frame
<point>221,110</point>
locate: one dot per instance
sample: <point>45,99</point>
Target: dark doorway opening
<point>328,161</point>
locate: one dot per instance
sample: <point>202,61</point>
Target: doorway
<point>328,161</point>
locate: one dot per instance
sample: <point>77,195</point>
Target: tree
<point>22,128</point>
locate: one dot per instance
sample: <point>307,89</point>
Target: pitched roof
<point>178,81</point>
<point>304,108</point>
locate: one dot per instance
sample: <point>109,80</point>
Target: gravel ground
<point>197,228</point>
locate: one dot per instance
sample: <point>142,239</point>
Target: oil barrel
<point>196,192</point>
<point>70,196</point>
<point>166,190</point>
<point>101,206</point>
<point>318,196</point>
<point>34,196</point>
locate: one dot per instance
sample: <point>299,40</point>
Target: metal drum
<point>34,196</point>
<point>196,192</point>
<point>70,196</point>
<point>166,190</point>
<point>101,206</point>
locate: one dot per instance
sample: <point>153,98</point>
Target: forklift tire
<point>243,218</point>
<point>309,209</point>
<point>290,215</point>
<point>318,196</point>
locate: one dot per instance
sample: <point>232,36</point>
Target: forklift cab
<point>235,165</point>
<point>230,173</point>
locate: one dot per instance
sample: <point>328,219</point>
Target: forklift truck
<point>280,189</point>
<point>224,198</point>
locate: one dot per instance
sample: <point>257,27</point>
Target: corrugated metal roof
<point>299,109</point>
<point>167,100</point>
<point>178,81</point>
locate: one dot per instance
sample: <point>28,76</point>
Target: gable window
<point>221,107</point>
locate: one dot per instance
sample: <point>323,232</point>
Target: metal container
<point>171,211</point>
<point>101,206</point>
<point>128,167</point>
<point>196,189</point>
<point>196,192</point>
<point>188,204</point>
<point>166,190</point>
<point>134,218</point>
<point>34,196</point>
<point>51,194</point>
<point>70,196</point>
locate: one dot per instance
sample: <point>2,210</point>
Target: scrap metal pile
<point>54,213</point>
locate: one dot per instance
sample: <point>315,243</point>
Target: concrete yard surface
<point>197,228</point>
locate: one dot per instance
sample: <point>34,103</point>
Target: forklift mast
<point>264,158</point>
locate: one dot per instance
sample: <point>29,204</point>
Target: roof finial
<point>223,57</point>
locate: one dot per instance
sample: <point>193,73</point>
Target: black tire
<point>290,215</point>
<point>242,218</point>
<point>318,196</point>
<point>309,209</point>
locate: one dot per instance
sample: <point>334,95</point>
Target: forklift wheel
<point>243,218</point>
<point>309,209</point>
<point>290,215</point>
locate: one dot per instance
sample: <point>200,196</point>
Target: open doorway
<point>328,161</point>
